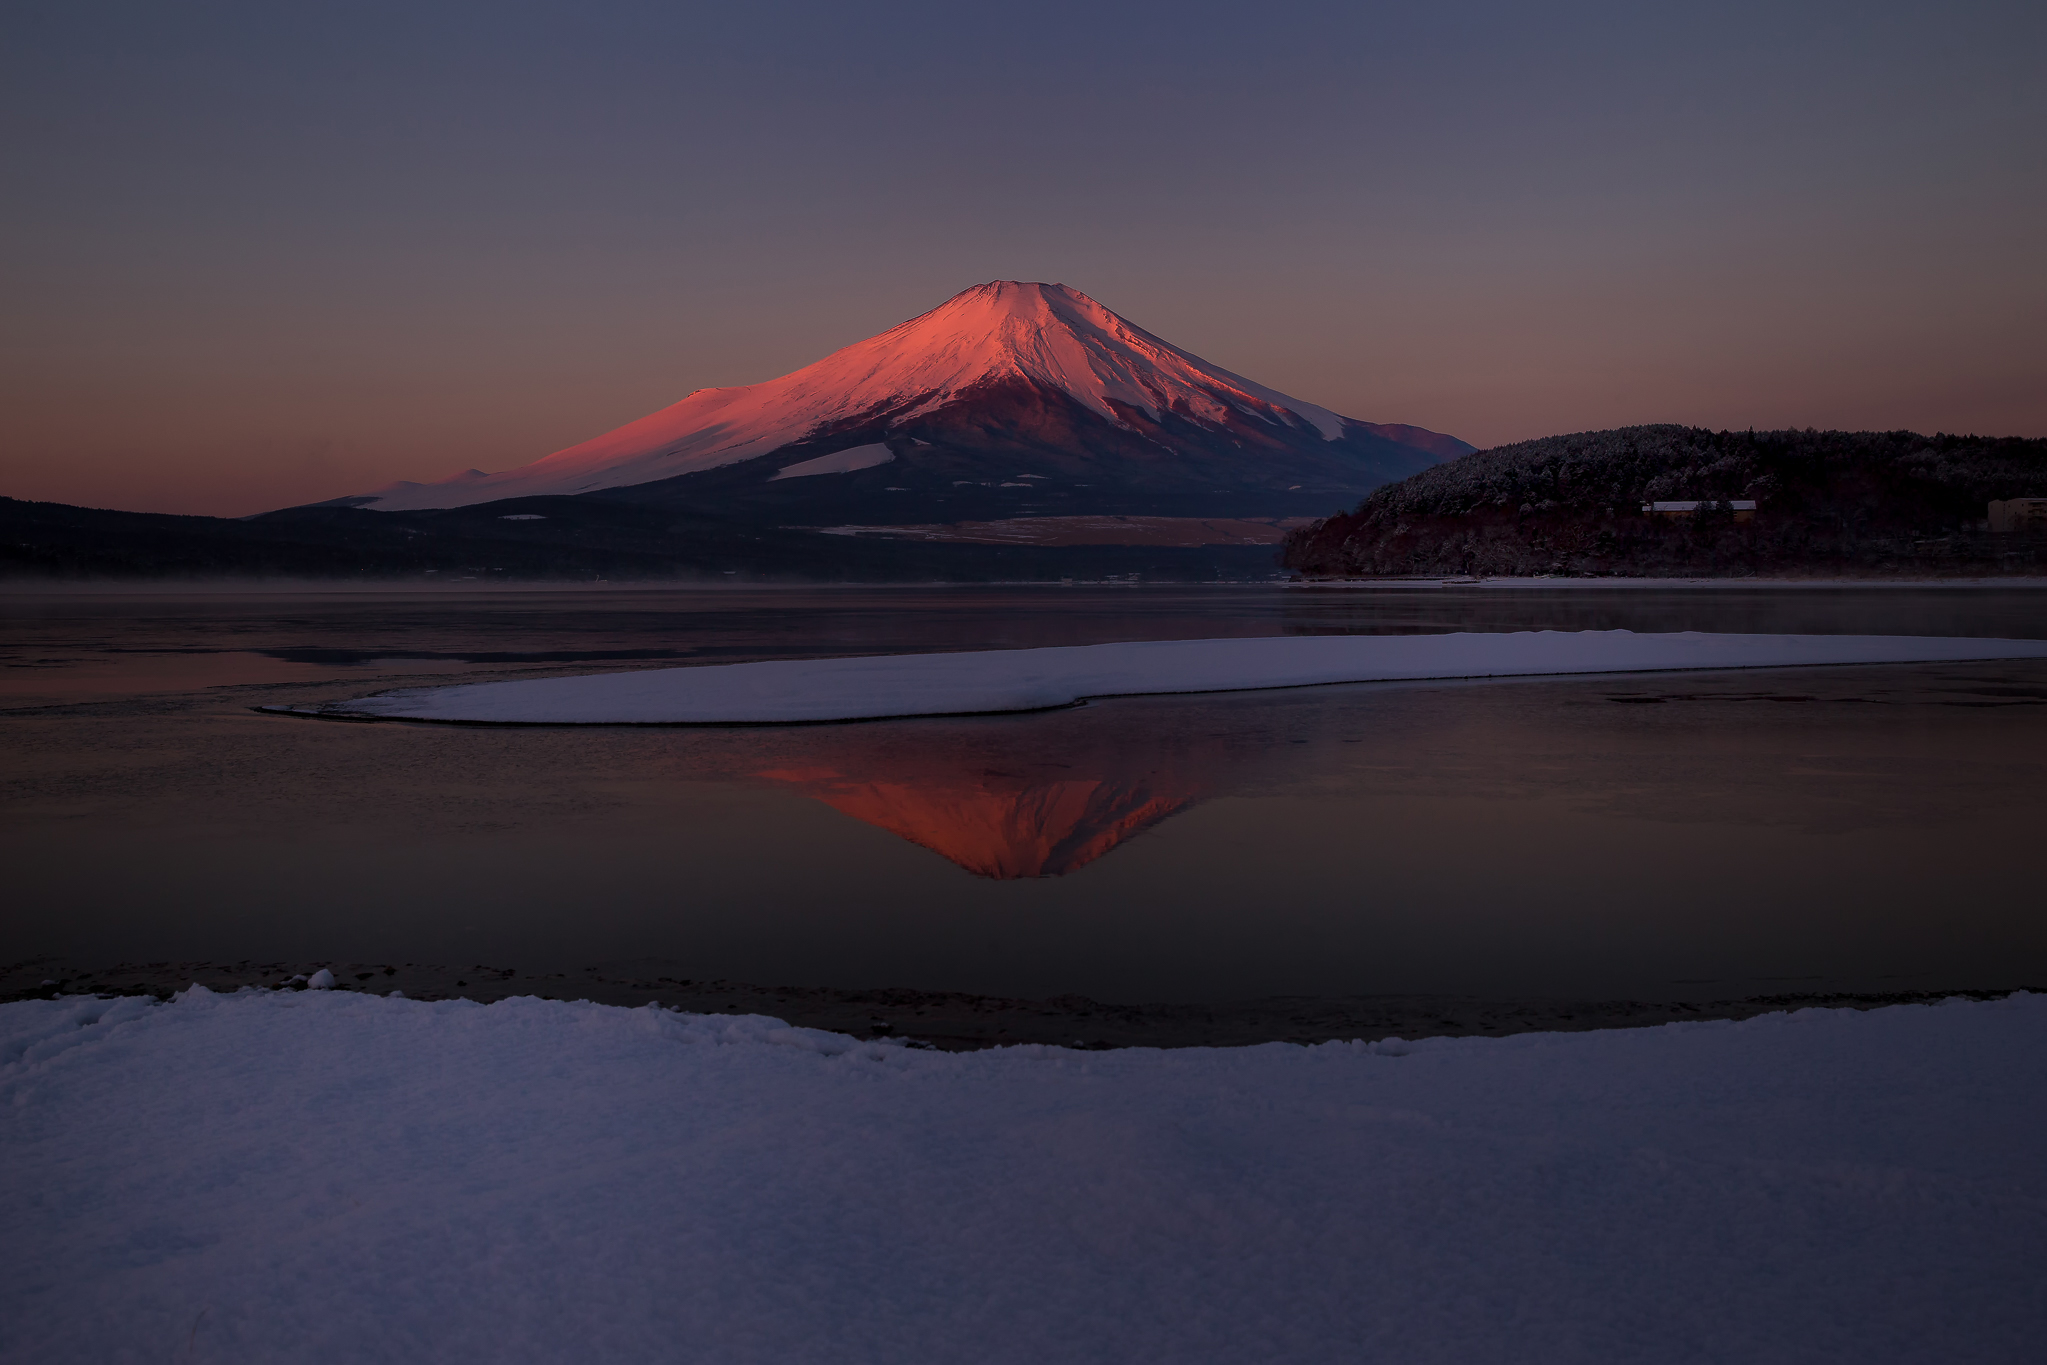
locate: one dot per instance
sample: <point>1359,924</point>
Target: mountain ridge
<point>1004,370</point>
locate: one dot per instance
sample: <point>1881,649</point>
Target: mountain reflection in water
<point>1042,821</point>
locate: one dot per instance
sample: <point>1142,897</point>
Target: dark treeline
<point>1833,502</point>
<point>544,539</point>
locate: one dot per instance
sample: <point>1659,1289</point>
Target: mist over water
<point>1652,836</point>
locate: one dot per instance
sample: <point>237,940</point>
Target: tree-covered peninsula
<point>1826,503</point>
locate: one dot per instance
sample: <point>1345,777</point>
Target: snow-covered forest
<point>1827,501</point>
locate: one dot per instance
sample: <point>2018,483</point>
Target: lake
<point>1659,837</point>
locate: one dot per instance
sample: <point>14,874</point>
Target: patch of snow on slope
<point>337,1177</point>
<point>839,462</point>
<point>1034,679</point>
<point>1046,333</point>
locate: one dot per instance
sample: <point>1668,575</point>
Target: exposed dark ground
<point>950,1020</point>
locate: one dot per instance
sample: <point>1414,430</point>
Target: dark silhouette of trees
<point>1828,502</point>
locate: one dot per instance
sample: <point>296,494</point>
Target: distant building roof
<point>1693,505</point>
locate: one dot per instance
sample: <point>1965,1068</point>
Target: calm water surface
<point>1674,835</point>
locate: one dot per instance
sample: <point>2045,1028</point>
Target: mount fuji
<point>1009,401</point>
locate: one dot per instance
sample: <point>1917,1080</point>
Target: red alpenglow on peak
<point>1001,338</point>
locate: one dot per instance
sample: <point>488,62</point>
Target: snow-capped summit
<point>1005,370</point>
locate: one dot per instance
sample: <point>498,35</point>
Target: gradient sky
<point>260,254</point>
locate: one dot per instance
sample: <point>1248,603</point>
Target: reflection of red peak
<point>996,825</point>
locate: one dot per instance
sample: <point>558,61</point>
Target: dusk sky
<point>261,254</point>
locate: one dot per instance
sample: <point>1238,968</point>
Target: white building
<point>1744,508</point>
<point>2018,514</point>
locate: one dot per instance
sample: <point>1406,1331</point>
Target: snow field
<point>329,1176</point>
<point>987,681</point>
<point>838,462</point>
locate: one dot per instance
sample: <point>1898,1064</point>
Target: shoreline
<point>1020,681</point>
<point>21,587</point>
<point>1610,584</point>
<point>955,1021</point>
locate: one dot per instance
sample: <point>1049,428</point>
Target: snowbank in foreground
<point>1034,679</point>
<point>336,1177</point>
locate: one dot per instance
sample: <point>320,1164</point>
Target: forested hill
<point>1828,502</point>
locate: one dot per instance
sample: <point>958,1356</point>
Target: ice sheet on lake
<point>329,1176</point>
<point>1035,679</point>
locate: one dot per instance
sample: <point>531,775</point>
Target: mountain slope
<point>1005,386</point>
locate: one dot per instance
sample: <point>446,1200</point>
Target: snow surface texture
<point>339,1177</point>
<point>1046,333</point>
<point>839,462</point>
<point>1035,679</point>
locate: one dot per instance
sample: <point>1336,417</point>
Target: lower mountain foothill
<point>1663,501</point>
<point>1647,501</point>
<point>564,539</point>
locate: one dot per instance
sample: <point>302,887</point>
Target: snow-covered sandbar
<point>991,681</point>
<point>329,1177</point>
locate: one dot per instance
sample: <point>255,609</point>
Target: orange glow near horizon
<point>270,257</point>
